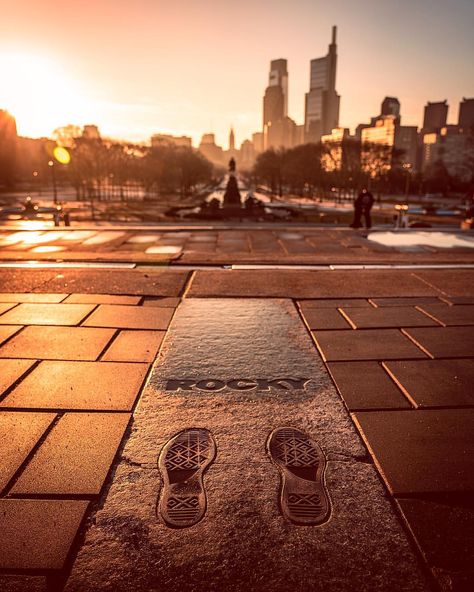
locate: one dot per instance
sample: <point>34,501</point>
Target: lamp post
<point>53,175</point>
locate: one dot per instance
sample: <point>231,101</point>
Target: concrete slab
<point>308,284</point>
<point>130,317</point>
<point>11,371</point>
<point>19,433</point>
<point>383,302</point>
<point>451,315</point>
<point>46,314</point>
<point>366,385</point>
<point>444,342</point>
<point>373,344</point>
<point>4,306</point>
<point>38,534</point>
<point>75,457</point>
<point>422,451</point>
<point>134,346</point>
<point>57,343</point>
<point>101,299</point>
<point>232,362</point>
<point>334,303</point>
<point>7,331</point>
<point>393,316</point>
<point>450,282</point>
<point>36,298</point>
<point>435,383</point>
<point>447,543</point>
<point>96,386</point>
<point>325,318</point>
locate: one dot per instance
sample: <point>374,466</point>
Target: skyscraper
<point>231,139</point>
<point>435,116</point>
<point>391,106</point>
<point>322,100</point>
<point>466,114</point>
<point>275,101</point>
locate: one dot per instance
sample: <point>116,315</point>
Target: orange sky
<point>188,67</point>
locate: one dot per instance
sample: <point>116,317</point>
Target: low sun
<point>39,93</point>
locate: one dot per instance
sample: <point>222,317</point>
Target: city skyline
<point>111,90</point>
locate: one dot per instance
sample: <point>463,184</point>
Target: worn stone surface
<point>134,346</point>
<point>400,316</point>
<point>445,342</point>
<point>79,385</point>
<point>46,314</point>
<point>11,370</point>
<point>435,383</point>
<point>130,317</point>
<point>422,451</point>
<point>450,282</point>
<point>75,457</point>
<point>243,543</point>
<point>366,385</point>
<point>308,284</point>
<point>374,344</point>
<point>58,343</point>
<point>38,534</point>
<point>18,583</point>
<point>19,433</point>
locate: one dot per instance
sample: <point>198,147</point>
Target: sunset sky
<point>140,67</point>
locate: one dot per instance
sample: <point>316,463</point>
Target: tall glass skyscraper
<point>322,100</point>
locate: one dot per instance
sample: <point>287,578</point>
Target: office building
<point>8,148</point>
<point>382,142</point>
<point>391,106</point>
<point>210,150</point>
<point>257,141</point>
<point>332,158</point>
<point>454,148</point>
<point>158,140</point>
<point>435,117</point>
<point>322,100</point>
<point>466,114</point>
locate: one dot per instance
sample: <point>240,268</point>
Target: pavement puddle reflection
<point>251,368</point>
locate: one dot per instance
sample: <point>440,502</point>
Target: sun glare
<point>39,93</point>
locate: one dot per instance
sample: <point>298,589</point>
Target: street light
<point>53,175</point>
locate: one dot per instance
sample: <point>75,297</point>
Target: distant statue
<point>362,206</point>
<point>232,165</point>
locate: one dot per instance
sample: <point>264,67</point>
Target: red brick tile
<point>422,451</point>
<point>32,297</point>
<point>38,534</point>
<point>134,346</point>
<point>130,317</point>
<point>75,457</point>
<point>19,432</point>
<point>79,385</point>
<point>325,318</point>
<point>445,342</point>
<point>432,383</point>
<point>11,370</point>
<point>58,343</point>
<point>401,316</point>
<point>366,385</point>
<point>452,315</point>
<point>101,299</point>
<point>46,314</point>
<point>8,331</point>
<point>375,344</point>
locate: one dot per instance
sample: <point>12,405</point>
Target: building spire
<point>231,138</point>
<point>334,33</point>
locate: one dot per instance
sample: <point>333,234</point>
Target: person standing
<point>362,206</point>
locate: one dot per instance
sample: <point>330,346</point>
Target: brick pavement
<point>403,366</point>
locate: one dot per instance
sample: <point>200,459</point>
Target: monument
<point>232,194</point>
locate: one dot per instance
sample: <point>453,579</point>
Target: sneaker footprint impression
<point>303,495</point>
<point>182,464</point>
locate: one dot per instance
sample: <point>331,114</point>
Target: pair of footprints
<point>184,459</point>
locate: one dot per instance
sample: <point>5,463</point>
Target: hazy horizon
<point>135,70</point>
